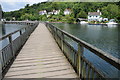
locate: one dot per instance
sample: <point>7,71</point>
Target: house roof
<point>93,13</point>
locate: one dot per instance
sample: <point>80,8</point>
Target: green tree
<point>111,11</point>
<point>27,5</point>
<point>79,9</point>
<point>27,17</point>
<point>82,14</point>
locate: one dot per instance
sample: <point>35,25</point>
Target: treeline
<point>79,9</point>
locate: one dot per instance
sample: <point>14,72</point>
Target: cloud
<point>31,1</point>
<point>11,5</point>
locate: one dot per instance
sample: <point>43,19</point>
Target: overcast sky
<point>11,5</point>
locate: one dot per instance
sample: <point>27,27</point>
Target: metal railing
<point>82,66</point>
<point>9,52</point>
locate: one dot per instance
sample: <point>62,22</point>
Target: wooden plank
<point>41,58</point>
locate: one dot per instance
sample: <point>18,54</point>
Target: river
<point>104,37</point>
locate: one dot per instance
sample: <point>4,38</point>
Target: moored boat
<point>112,21</point>
<point>83,22</point>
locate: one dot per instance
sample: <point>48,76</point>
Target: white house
<point>67,11</point>
<point>95,16</point>
<point>49,13</point>
<point>42,12</point>
<point>55,12</point>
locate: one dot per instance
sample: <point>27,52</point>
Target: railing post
<point>79,61</point>
<point>56,34</point>
<point>62,41</point>
<point>20,32</point>
<point>10,41</point>
<point>54,31</point>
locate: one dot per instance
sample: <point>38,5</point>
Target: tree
<point>82,14</point>
<point>111,11</point>
<point>26,16</point>
<point>79,9</point>
<point>27,5</point>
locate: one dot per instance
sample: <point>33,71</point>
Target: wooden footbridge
<point>41,57</point>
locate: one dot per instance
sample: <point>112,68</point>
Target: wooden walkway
<point>41,58</point>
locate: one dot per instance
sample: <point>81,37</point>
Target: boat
<point>83,22</point>
<point>112,21</point>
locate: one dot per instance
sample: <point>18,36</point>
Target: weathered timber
<point>41,57</point>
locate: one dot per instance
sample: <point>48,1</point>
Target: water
<point>6,29</point>
<point>104,37</point>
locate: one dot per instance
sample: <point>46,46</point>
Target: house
<point>55,12</point>
<point>95,16</point>
<point>49,13</point>
<point>42,12</point>
<point>67,11</point>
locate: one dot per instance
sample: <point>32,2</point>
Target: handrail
<point>105,56</point>
<point>5,36</point>
<point>19,21</point>
<point>10,51</point>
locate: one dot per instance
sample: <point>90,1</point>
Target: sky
<point>12,5</point>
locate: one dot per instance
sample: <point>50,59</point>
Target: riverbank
<point>64,22</point>
<point>55,22</point>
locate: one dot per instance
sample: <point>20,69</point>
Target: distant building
<point>49,13</point>
<point>0,12</point>
<point>95,16</point>
<point>42,12</point>
<point>55,12</point>
<point>67,11</point>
